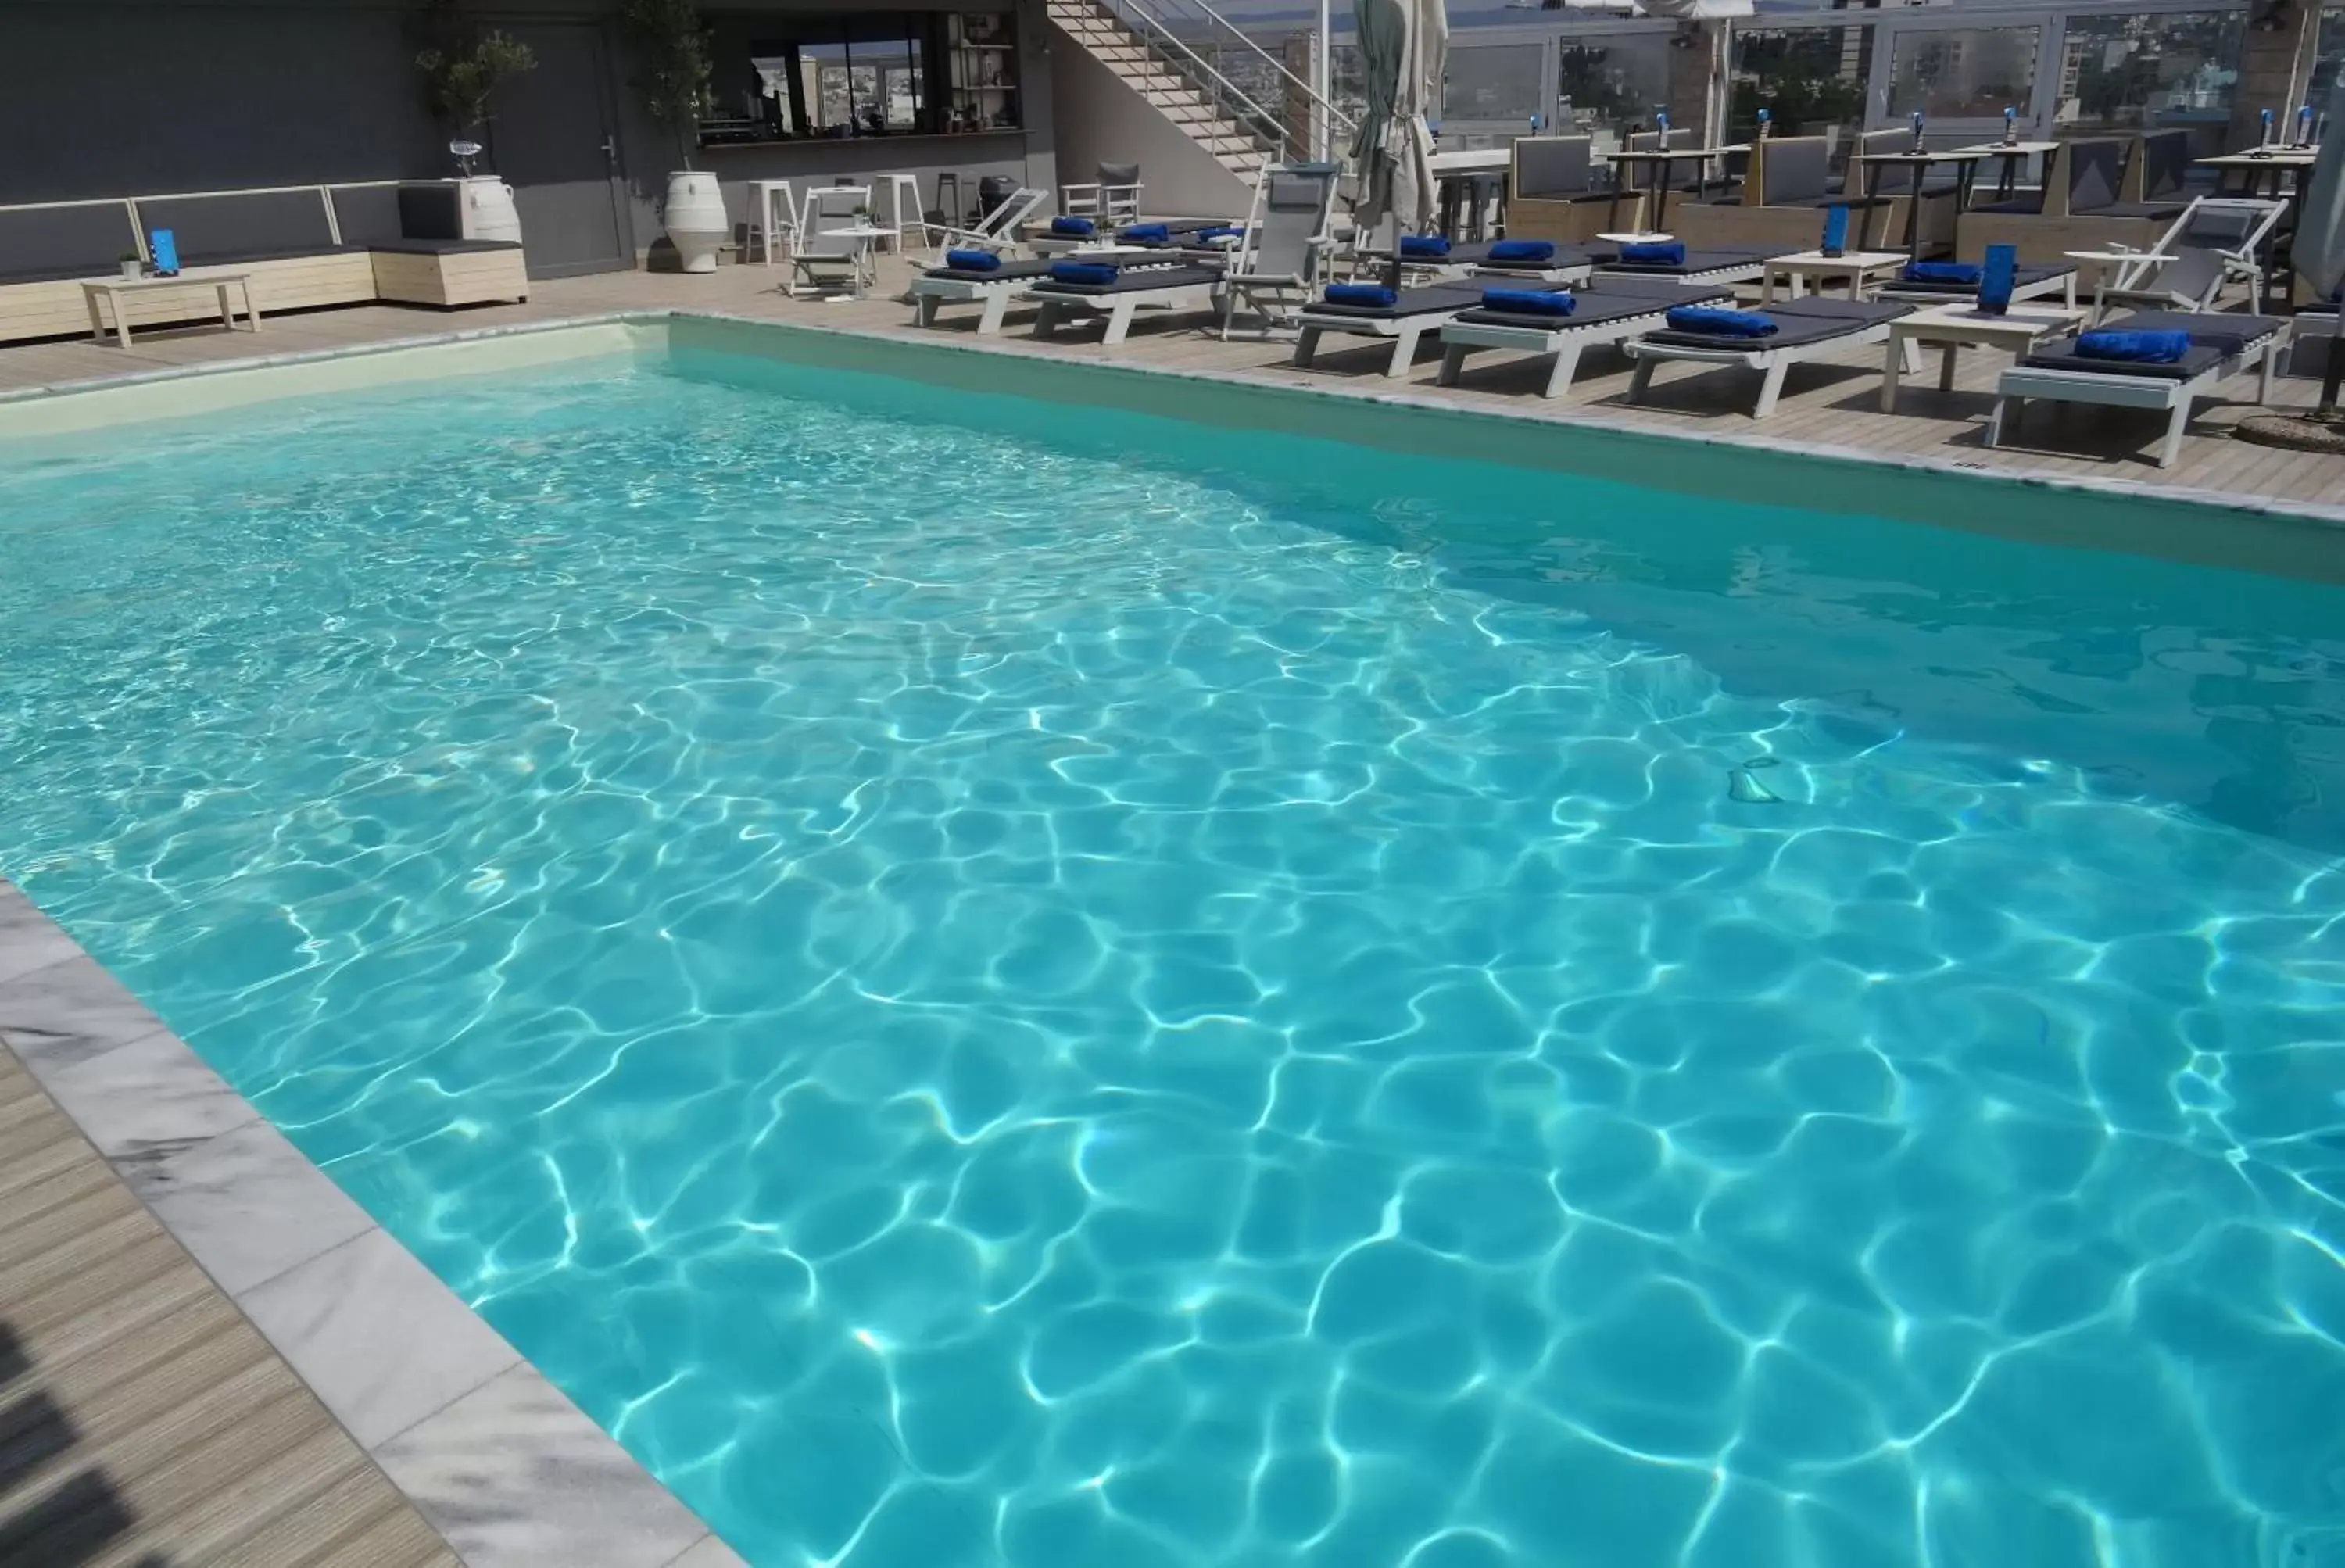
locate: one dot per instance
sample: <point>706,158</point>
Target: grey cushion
<point>1797,170</point>
<point>2094,168</point>
<point>246,225</point>
<point>440,247</point>
<point>1554,167</point>
<point>366,214</point>
<point>1136,279</point>
<point>2165,165</point>
<point>64,243</point>
<point>433,211</point>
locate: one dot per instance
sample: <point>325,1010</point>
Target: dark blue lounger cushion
<point>2134,348</point>
<point>1087,273</point>
<point>1083,227</point>
<point>1523,250</point>
<point>1424,247</point>
<point>1963,272</point>
<point>973,261</point>
<point>1528,301</point>
<point>1720,322</point>
<point>1371,294</point>
<point>1671,254</point>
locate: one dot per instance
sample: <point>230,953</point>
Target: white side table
<point>867,236</point>
<point>2018,330</point>
<point>1860,269</point>
<point>112,288</point>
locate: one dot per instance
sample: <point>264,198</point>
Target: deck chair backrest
<point>1554,166</point>
<point>2229,226</point>
<point>830,208</point>
<point>1885,178</point>
<point>2157,167</point>
<point>2194,275</point>
<point>1004,221</point>
<point>1294,205</point>
<point>1792,170</point>
<point>2096,167</point>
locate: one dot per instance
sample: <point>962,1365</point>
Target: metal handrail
<point>1335,114</point>
<point>1269,127</point>
<point>129,204</point>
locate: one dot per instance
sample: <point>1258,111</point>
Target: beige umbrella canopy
<point>1404,46</point>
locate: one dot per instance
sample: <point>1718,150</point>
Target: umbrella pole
<point>2331,377</point>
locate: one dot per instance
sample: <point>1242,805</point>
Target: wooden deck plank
<point>143,1418</point>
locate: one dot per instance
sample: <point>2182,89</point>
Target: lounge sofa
<point>294,243</point>
<point>1781,204</point>
<point>2077,208</point>
<point>1557,192</point>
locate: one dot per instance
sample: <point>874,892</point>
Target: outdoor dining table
<point>1916,163</point>
<point>1658,159</point>
<point>2263,165</point>
<point>2012,153</point>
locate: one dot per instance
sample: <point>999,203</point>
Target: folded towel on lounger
<point>972,260</point>
<point>1423,247</point>
<point>1720,322</point>
<point>2135,347</point>
<point>1091,274</point>
<point>1082,227</point>
<point>1528,301</point>
<point>1963,272</point>
<point>1373,295</point>
<point>1220,231</point>
<point>1147,233</point>
<point>1523,250</point>
<point>1669,253</point>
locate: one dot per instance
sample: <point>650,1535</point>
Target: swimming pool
<point>987,981</point>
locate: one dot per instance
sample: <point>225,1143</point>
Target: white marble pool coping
<point>497,1459</point>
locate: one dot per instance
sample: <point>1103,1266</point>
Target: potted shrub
<point>134,266</point>
<point>462,67</point>
<point>672,50</point>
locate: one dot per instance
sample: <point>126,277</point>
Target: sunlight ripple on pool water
<point>977,1003</point>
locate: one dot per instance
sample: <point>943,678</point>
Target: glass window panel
<point>2154,72</point>
<point>1957,73</point>
<point>1493,85</point>
<point>2329,53</point>
<point>1607,84</point>
<point>1811,81</point>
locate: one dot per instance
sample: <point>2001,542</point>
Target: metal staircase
<point>1226,92</point>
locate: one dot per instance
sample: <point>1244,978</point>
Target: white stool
<point>773,215</point>
<point>903,208</point>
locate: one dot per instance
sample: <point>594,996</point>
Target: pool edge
<point>505,1465</point>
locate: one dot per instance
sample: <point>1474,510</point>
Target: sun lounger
<point>1699,266</point>
<point>993,288</point>
<point>1133,289</point>
<point>1413,313</point>
<point>1804,330</point>
<point>2027,283</point>
<point>1609,311</point>
<point>2220,344</point>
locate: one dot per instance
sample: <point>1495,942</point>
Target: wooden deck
<point>1833,402</point>
<point>144,1421</point>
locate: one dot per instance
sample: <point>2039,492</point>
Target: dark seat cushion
<point>48,243</point>
<point>1798,322</point>
<point>1695,262</point>
<point>2160,211</point>
<point>1411,302</point>
<point>1135,280</point>
<point>2196,362</point>
<point>2028,204</point>
<point>1594,310</point>
<point>2021,278</point>
<point>440,247</point>
<point>2228,331</point>
<point>240,258</point>
<point>1667,290</point>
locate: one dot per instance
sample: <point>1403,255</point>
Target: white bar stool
<point>903,208</point>
<point>773,215</point>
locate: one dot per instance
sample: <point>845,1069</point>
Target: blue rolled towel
<point>1963,272</point>
<point>1220,231</point>
<point>1670,253</point>
<point>1091,274</point>
<point>1523,250</point>
<point>972,260</point>
<point>1423,247</point>
<point>1080,227</point>
<point>1720,322</point>
<point>2133,348</point>
<point>1373,295</point>
<point>1145,233</point>
<point>1529,301</point>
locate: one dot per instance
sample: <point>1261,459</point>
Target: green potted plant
<point>134,266</point>
<point>463,67</point>
<point>672,61</point>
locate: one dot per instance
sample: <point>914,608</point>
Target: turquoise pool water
<point>981,1001</point>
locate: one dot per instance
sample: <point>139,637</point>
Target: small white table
<point>2018,330</point>
<point>867,262</point>
<point>112,290</point>
<point>1860,269</point>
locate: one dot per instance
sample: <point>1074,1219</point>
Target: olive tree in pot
<point>463,67</point>
<point>673,53</point>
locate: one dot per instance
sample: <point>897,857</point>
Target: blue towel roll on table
<point>972,260</point>
<point>1151,233</point>
<point>1718,322</point>
<point>1963,272</point>
<point>1998,276</point>
<point>1523,250</point>
<point>1091,274</point>
<point>2133,348</point>
<point>1423,247</point>
<point>1082,227</point>
<point>1373,295</point>
<point>1669,254</point>
<point>1529,301</point>
<point>163,249</point>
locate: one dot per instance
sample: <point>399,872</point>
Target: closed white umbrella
<point>1404,46</point>
<point>2318,256</point>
